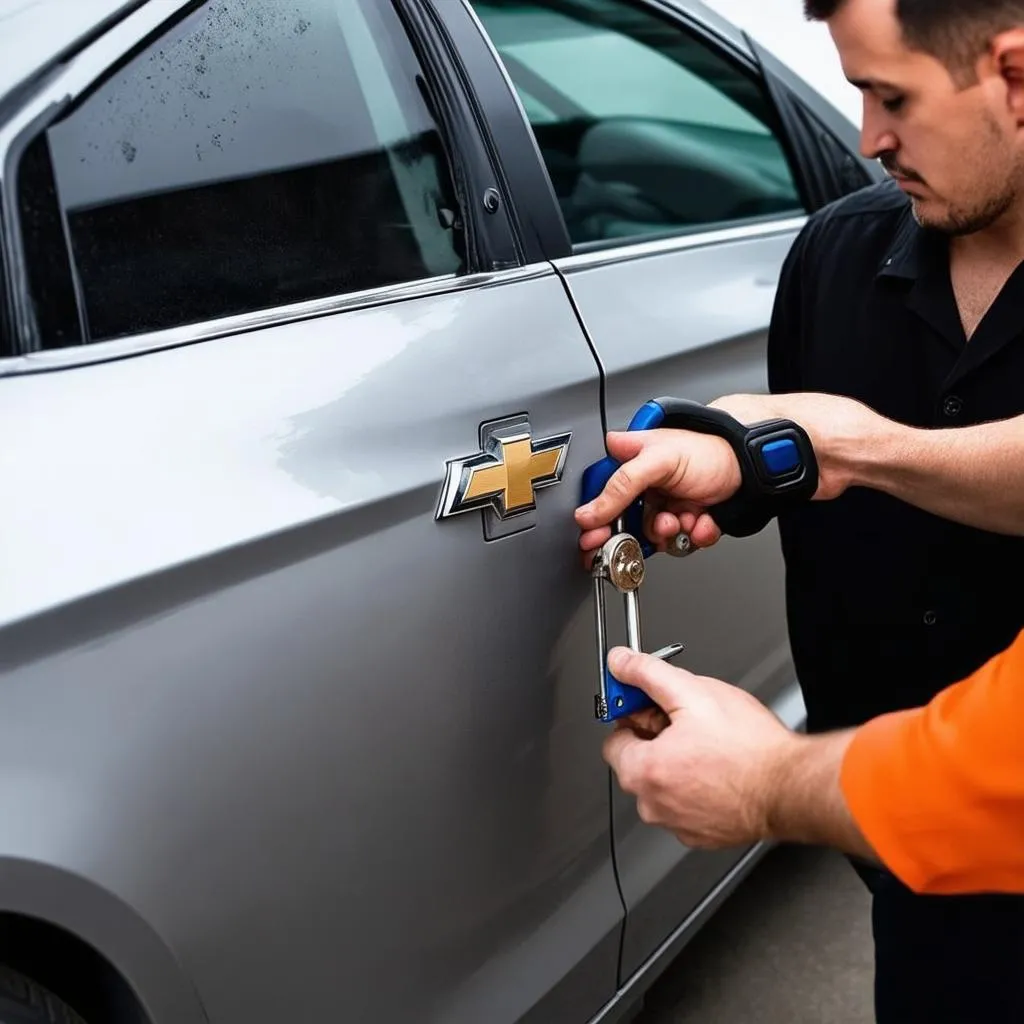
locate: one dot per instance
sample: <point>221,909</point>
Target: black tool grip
<point>759,498</point>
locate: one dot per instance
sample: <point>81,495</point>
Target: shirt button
<point>930,618</point>
<point>953,405</point>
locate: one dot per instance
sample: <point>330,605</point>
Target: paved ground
<point>791,946</point>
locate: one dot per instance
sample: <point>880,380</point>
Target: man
<point>908,298</point>
<point>935,793</point>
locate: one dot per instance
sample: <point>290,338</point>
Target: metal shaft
<point>632,602</point>
<point>633,620</point>
<point>599,612</point>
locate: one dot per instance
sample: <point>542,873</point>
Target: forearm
<point>972,475</point>
<point>805,803</point>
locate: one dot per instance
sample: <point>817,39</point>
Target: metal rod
<point>633,620</point>
<point>599,612</point>
<point>632,601</point>
<point>669,652</point>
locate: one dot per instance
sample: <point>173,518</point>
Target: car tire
<point>22,1001</point>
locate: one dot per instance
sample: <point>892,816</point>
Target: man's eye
<point>893,105</point>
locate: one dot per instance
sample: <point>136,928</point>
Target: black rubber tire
<point>22,1001</point>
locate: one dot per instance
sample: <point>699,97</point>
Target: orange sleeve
<point>938,792</point>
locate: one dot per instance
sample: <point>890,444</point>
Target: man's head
<point>943,85</point>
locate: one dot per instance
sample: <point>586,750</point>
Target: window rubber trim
<point>808,129</point>
<point>492,241</point>
<point>816,181</point>
<point>533,205</point>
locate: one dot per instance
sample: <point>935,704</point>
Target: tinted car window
<point>261,152</point>
<point>645,129</point>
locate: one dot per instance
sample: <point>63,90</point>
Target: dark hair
<point>955,31</point>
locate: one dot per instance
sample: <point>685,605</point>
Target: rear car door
<point>297,654</point>
<point>681,195</point>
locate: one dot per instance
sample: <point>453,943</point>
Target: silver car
<point>314,312</point>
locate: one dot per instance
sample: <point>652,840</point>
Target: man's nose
<point>876,137</point>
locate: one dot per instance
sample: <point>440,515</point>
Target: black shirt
<point>888,604</point>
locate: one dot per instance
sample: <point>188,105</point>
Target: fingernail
<point>617,657</point>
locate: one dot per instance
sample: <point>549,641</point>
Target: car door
<point>297,654</point>
<point>681,197</point>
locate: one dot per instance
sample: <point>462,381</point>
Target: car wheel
<point>22,1001</point>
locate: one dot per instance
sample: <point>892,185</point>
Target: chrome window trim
<point>680,243</point>
<point>313,309</point>
<point>62,89</point>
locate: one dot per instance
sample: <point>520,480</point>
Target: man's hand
<point>707,775</point>
<point>680,473</point>
<point>714,766</point>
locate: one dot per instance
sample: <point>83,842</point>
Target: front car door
<point>297,657</point>
<point>682,193</point>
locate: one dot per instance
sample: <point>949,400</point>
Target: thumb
<point>667,686</point>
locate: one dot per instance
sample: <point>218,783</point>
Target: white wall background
<point>780,26</point>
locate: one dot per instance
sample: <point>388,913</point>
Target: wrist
<point>781,768</point>
<point>802,798</point>
<point>866,452</point>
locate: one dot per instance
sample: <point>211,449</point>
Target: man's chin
<point>937,216</point>
<point>933,216</point>
<point>928,215</point>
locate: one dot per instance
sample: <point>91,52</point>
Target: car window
<point>645,129</point>
<point>259,153</point>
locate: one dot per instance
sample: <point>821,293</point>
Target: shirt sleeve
<point>938,791</point>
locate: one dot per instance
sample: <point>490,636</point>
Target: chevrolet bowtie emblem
<point>506,474</point>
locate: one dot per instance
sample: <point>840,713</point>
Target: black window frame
<point>529,193</point>
<point>825,143</point>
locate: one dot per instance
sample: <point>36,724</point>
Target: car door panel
<point>352,746</point>
<point>330,746</point>
<point>692,324</point>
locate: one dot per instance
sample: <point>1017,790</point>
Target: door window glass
<point>645,129</point>
<point>259,153</point>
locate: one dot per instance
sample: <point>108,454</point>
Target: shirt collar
<point>914,250</point>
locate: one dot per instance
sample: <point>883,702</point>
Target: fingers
<point>666,685</point>
<point>704,532</point>
<point>648,723</point>
<point>626,444</point>
<point>665,526</point>
<point>591,540</point>
<point>624,752</point>
<point>647,469</point>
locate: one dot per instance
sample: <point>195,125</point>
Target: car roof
<point>34,33</point>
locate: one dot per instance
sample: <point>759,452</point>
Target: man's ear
<point>1007,56</point>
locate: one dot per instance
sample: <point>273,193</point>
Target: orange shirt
<point>938,792</point>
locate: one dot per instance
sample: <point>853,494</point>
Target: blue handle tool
<point>777,467</point>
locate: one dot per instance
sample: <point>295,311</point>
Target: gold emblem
<point>506,475</point>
